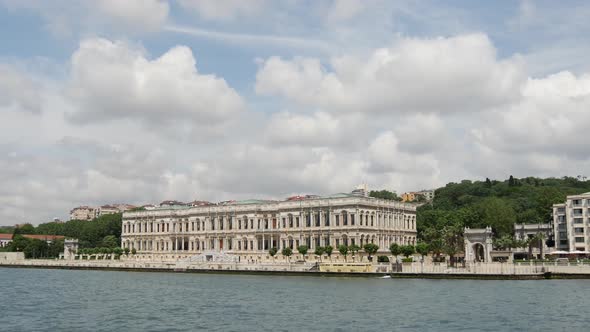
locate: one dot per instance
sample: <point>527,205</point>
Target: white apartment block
<point>83,213</point>
<point>247,228</point>
<point>571,224</point>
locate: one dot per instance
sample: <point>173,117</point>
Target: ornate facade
<point>253,227</point>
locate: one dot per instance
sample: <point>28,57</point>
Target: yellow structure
<point>408,197</point>
<point>346,267</point>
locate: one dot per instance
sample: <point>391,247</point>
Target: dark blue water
<point>59,300</point>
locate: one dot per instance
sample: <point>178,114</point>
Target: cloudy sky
<point>138,101</point>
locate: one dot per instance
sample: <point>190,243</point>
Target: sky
<point>140,101</point>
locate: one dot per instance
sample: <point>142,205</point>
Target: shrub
<point>382,259</point>
<point>407,260</point>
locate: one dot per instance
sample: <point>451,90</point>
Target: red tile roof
<point>34,236</point>
<point>5,236</point>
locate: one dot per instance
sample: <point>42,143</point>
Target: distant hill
<point>498,204</point>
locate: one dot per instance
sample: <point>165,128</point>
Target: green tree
<point>354,249</point>
<point>110,241</point>
<point>272,251</point>
<point>371,249</point>
<point>453,241</point>
<point>505,242</point>
<point>19,243</point>
<point>384,194</point>
<point>302,249</point>
<point>395,249</point>
<point>36,249</point>
<point>126,251</point>
<point>133,251</point>
<point>118,252</point>
<point>498,214</point>
<point>24,229</point>
<point>408,250</point>
<point>343,249</point>
<point>328,250</point>
<point>419,198</point>
<point>55,248</point>
<point>319,251</point>
<point>287,252</point>
<point>422,248</point>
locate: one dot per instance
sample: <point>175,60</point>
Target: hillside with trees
<point>499,204</point>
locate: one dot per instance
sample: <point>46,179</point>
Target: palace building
<point>254,226</point>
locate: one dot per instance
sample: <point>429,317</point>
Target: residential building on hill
<point>89,213</point>
<point>571,224</point>
<point>413,195</point>
<point>83,213</point>
<point>252,227</point>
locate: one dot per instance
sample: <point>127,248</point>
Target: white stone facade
<point>571,224</point>
<point>83,213</point>
<point>254,227</point>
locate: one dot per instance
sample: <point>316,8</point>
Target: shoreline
<point>434,276</point>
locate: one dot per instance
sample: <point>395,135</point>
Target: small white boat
<point>385,277</point>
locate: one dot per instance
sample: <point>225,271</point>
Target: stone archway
<point>479,252</point>
<point>478,244</point>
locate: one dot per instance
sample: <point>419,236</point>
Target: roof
<point>172,202</point>
<point>43,237</point>
<point>34,236</point>
<point>251,201</point>
<point>339,195</point>
<point>200,203</point>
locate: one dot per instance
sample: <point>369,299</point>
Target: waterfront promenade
<point>416,269</point>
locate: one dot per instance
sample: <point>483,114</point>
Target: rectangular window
<point>579,240</point>
<point>579,230</point>
<point>578,220</point>
<point>337,220</point>
<point>297,222</point>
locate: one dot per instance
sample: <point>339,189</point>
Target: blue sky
<point>140,101</point>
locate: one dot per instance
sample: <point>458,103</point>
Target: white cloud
<point>251,40</point>
<point>342,10</point>
<point>385,156</point>
<point>114,81</point>
<point>224,9</point>
<point>457,74</point>
<point>66,18</point>
<point>136,14</point>
<point>551,118</point>
<point>18,90</point>
<point>317,129</point>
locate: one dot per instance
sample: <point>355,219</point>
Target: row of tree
<point>35,248</point>
<point>369,248</point>
<point>105,251</point>
<point>104,231</point>
<point>499,204</point>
